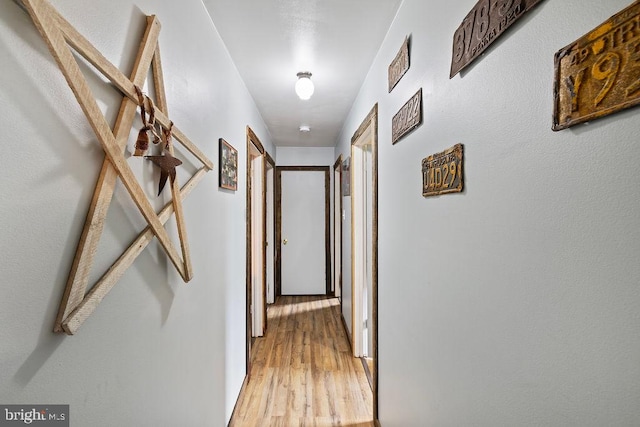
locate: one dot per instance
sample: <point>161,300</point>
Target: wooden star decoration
<point>167,165</point>
<point>77,304</point>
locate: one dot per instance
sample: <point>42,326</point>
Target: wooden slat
<point>158,79</point>
<point>76,287</point>
<point>88,51</point>
<point>42,17</point>
<point>161,100</point>
<point>115,76</point>
<point>108,281</point>
<point>60,37</point>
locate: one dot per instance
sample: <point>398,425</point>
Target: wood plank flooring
<point>302,371</point>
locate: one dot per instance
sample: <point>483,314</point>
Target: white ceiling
<point>270,41</point>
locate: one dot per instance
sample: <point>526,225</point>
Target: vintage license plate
<point>400,65</point>
<point>443,172</point>
<point>482,26</point>
<point>599,73</point>
<point>408,118</point>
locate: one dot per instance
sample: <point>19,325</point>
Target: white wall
<point>305,156</point>
<point>156,351</point>
<point>514,303</point>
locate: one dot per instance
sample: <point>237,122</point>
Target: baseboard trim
<point>367,372</point>
<point>235,406</point>
<point>346,331</point>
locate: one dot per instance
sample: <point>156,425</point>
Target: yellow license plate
<point>599,73</point>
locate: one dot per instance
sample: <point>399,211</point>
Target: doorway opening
<point>364,247</point>
<point>256,306</point>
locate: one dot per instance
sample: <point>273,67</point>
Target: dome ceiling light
<point>304,85</point>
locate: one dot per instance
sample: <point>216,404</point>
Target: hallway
<point>513,302</point>
<point>302,371</point>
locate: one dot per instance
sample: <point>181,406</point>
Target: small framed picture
<point>228,169</point>
<point>346,177</point>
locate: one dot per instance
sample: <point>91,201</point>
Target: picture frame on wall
<point>346,177</point>
<point>228,167</point>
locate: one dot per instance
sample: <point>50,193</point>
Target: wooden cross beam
<point>60,36</point>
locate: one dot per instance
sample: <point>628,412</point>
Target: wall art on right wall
<point>482,26</point>
<point>442,172</point>
<point>399,66</point>
<point>408,118</point>
<point>599,74</point>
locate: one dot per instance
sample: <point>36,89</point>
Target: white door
<point>257,247</point>
<point>303,233</point>
<point>368,248</point>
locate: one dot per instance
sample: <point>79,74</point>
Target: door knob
<point>285,241</point>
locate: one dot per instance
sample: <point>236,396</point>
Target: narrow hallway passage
<point>303,372</point>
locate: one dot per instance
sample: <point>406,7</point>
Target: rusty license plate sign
<point>599,73</point>
<point>408,118</point>
<point>400,65</point>
<point>443,172</point>
<point>482,26</point>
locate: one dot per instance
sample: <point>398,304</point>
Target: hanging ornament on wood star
<point>152,121</point>
<point>167,165</point>
<point>142,143</point>
<point>167,135</point>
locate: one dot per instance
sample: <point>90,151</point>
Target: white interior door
<point>368,247</point>
<point>362,249</point>
<point>270,243</point>
<point>257,248</point>
<point>303,246</point>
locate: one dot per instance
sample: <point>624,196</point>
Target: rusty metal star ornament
<point>167,165</point>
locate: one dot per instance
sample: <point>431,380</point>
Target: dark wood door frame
<point>270,164</point>
<point>278,224</point>
<point>253,143</point>
<point>337,167</point>
<point>372,121</point>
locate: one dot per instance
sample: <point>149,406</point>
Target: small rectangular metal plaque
<point>408,118</point>
<point>442,172</point>
<point>399,65</point>
<point>482,26</point>
<point>599,73</point>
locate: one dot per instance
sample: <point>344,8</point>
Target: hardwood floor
<point>302,371</point>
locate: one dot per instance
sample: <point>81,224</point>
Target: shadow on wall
<point>48,341</point>
<point>34,102</point>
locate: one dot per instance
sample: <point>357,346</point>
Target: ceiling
<point>270,41</point>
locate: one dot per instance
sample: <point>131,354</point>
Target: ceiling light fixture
<point>304,85</point>
<point>305,128</point>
